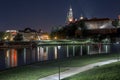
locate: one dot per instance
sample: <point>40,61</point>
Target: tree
<point>81,24</point>
<point>18,37</point>
<point>81,31</point>
<point>115,23</point>
<point>1,35</point>
<point>70,30</point>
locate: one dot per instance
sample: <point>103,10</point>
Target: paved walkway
<point>76,70</point>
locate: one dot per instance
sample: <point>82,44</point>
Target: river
<point>12,57</point>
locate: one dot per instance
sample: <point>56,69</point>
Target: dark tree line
<point>18,37</point>
<point>79,30</point>
<point>69,31</point>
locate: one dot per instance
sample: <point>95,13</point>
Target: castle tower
<point>81,17</point>
<point>70,15</point>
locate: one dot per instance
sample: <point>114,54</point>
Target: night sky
<point>44,14</point>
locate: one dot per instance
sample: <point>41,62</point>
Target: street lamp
<point>117,49</point>
<point>58,60</point>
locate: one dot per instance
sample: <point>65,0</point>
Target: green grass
<point>106,72</point>
<point>80,61</point>
<point>28,73</point>
<point>42,69</point>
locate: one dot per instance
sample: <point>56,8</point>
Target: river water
<point>12,57</point>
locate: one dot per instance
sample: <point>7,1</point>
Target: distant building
<point>10,34</point>
<point>97,26</point>
<point>99,23</point>
<point>94,23</point>
<point>44,36</point>
<point>29,34</point>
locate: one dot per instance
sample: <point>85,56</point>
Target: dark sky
<point>44,14</point>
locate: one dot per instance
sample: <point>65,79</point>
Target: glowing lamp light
<point>117,42</point>
<point>81,17</point>
<point>70,20</point>
<point>55,38</point>
<point>5,38</point>
<point>59,47</point>
<point>45,37</point>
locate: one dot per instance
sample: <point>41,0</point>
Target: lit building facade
<point>94,23</point>
<point>44,36</point>
<point>30,34</point>
<point>10,34</point>
<point>100,23</point>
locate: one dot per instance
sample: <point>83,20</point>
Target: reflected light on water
<point>55,49</point>
<point>11,58</point>
<point>59,47</point>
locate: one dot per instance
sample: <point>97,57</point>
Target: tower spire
<point>70,15</point>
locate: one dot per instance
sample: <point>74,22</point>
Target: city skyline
<point>46,14</point>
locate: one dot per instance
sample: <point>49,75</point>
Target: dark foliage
<point>18,37</point>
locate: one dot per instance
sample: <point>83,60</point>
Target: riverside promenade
<point>76,70</point>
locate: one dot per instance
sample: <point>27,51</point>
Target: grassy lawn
<point>42,69</point>
<point>80,61</point>
<point>27,73</point>
<point>106,72</point>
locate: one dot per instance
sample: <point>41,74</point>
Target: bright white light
<point>107,25</point>
<point>81,17</point>
<point>103,26</point>
<point>11,31</point>
<point>117,42</point>
<point>70,20</point>
<point>59,47</point>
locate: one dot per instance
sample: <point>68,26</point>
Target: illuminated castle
<point>94,23</point>
<point>70,17</point>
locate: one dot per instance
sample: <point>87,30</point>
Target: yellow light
<point>70,20</point>
<point>45,37</point>
<point>5,37</point>
<point>55,38</point>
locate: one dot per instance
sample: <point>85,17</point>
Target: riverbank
<point>106,72</point>
<point>43,69</point>
<point>75,70</point>
<point>20,44</point>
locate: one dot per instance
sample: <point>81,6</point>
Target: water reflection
<point>73,50</point>
<point>81,50</point>
<point>22,56</point>
<point>67,51</point>
<point>38,53</point>
<point>45,53</point>
<point>55,52</point>
<point>11,58</point>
